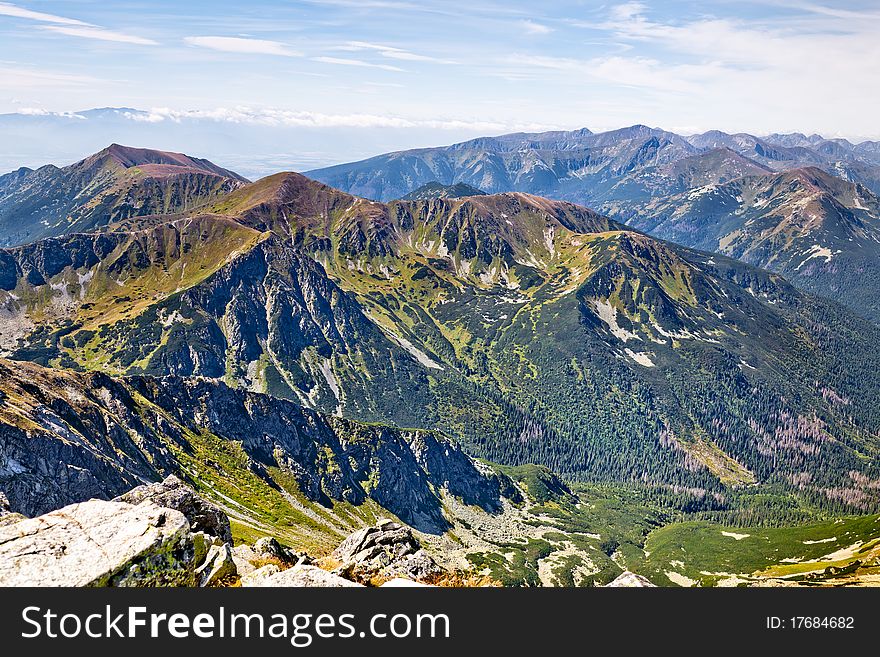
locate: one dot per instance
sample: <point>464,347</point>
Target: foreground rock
<point>387,549</point>
<point>267,551</point>
<point>256,576</point>
<point>629,579</point>
<point>218,567</point>
<point>304,576</point>
<point>172,493</point>
<point>99,543</point>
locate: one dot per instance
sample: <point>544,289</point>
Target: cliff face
<point>67,437</point>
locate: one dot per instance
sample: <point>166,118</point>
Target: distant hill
<point>820,232</point>
<point>439,190</point>
<point>116,183</point>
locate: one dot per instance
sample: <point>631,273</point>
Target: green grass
<point>700,551</point>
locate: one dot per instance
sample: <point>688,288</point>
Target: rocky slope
<point>116,183</point>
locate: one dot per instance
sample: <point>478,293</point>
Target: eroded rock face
<point>629,579</point>
<point>387,549</point>
<point>172,493</point>
<point>99,543</point>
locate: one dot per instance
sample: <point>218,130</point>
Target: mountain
<point>66,437</point>
<point>116,183</point>
<point>592,168</point>
<point>820,232</point>
<point>530,330</point>
<point>438,190</point>
<point>572,165</point>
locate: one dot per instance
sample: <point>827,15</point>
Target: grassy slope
<point>711,554</point>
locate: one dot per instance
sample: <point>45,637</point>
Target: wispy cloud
<point>391,52</point>
<point>242,45</point>
<point>99,34</point>
<point>531,27</point>
<point>72,27</point>
<point>344,61</point>
<point>16,77</point>
<point>7,9</point>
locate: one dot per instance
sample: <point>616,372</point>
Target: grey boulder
<point>255,576</point>
<point>389,549</point>
<point>217,566</point>
<point>306,576</point>
<point>172,493</point>
<point>99,543</point>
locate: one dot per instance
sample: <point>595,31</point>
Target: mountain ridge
<point>115,183</point>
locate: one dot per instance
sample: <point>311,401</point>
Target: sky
<point>437,70</point>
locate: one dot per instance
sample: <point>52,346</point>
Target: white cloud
<point>391,52</point>
<point>39,111</point>
<point>342,61</point>
<point>242,45</point>
<point>811,70</point>
<point>628,10</point>
<point>275,117</point>
<point>639,72</point>
<point>99,34</point>
<point>7,9</point>
<point>531,27</point>
<point>71,26</point>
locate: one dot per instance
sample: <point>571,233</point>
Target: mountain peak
<point>155,162</point>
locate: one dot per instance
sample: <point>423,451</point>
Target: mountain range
<point>773,201</point>
<point>820,232</point>
<point>655,362</point>
<point>591,168</point>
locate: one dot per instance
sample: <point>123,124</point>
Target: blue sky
<point>477,66</point>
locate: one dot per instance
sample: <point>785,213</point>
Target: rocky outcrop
<point>306,576</point>
<point>172,493</point>
<point>267,551</point>
<point>99,543</point>
<point>7,517</point>
<point>402,583</point>
<point>628,579</point>
<point>387,549</point>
